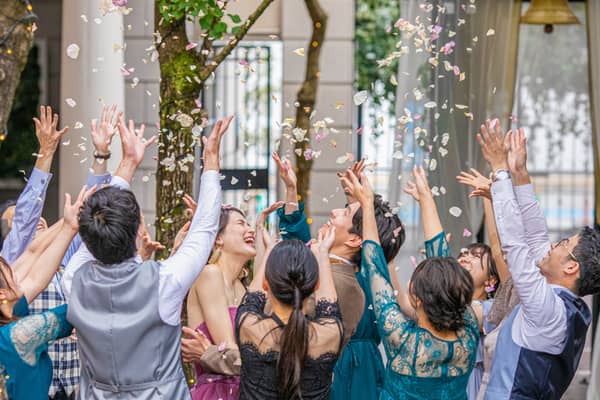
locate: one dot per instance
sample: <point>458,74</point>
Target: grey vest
<point>126,350</point>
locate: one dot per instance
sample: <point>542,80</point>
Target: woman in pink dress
<point>213,300</point>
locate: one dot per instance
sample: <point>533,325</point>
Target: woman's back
<point>426,367</point>
<point>25,366</point>
<point>259,337</point>
<point>420,365</point>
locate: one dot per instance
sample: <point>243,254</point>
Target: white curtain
<point>593,33</point>
<point>486,47</point>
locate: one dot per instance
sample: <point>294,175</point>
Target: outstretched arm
<point>48,262</point>
<point>482,188</point>
<point>326,290</point>
<point>542,321</point>
<point>420,191</point>
<point>23,264</point>
<point>30,204</point>
<point>178,272</point>
<point>292,221</point>
<point>532,214</point>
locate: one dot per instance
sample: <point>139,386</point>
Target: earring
<point>4,301</point>
<point>490,288</point>
<point>216,254</point>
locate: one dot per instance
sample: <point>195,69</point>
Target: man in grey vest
<point>127,314</point>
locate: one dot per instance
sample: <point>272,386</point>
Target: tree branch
<point>228,48</point>
<point>307,96</point>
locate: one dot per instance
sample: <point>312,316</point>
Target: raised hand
<point>419,189</point>
<point>357,169</point>
<point>286,172</point>
<point>104,130</point>
<point>212,144</point>
<point>48,135</point>
<point>359,189</point>
<point>194,346</point>
<point>191,205</point>
<point>180,237</point>
<point>263,237</point>
<point>148,246</point>
<point>71,211</point>
<point>324,242</point>
<point>46,130</point>
<point>493,146</point>
<point>133,143</point>
<point>517,155</point>
<point>481,185</point>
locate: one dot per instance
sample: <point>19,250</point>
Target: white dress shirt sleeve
<point>534,222</point>
<point>178,272</point>
<point>81,257</point>
<point>541,322</point>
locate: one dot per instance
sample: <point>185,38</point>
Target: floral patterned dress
<point>25,367</point>
<point>420,366</point>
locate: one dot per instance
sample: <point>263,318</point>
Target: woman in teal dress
<point>25,367</point>
<point>430,357</point>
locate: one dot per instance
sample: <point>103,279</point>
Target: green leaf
<point>220,29</point>
<point>235,18</point>
<point>235,30</point>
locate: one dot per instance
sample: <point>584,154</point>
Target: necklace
<point>341,259</point>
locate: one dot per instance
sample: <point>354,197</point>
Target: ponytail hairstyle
<point>292,273</point>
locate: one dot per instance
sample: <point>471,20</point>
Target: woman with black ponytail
<point>284,354</point>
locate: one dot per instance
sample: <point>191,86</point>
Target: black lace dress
<point>258,339</point>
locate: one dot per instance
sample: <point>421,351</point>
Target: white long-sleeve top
<point>178,272</point>
<point>541,321</point>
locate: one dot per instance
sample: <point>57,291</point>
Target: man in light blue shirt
<point>540,343</point>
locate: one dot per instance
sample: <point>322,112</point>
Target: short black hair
<point>108,224</point>
<point>587,253</point>
<point>445,289</point>
<point>389,227</point>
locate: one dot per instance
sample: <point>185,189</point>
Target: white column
<point>92,80</point>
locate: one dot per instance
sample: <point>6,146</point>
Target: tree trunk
<point>307,96</point>
<point>178,92</point>
<point>183,73</point>
<point>16,40</point>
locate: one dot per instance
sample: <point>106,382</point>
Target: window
<point>552,103</point>
<point>245,85</point>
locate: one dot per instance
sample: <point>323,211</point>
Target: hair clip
<point>397,231</point>
<point>226,207</point>
<point>490,288</point>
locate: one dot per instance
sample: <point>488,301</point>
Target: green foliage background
<point>373,42</point>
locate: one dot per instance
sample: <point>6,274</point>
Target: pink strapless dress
<point>213,386</point>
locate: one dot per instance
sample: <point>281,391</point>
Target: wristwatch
<point>99,156</point>
<point>501,175</point>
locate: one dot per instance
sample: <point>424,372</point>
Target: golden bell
<point>548,13</point>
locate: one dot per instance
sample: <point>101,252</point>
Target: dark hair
<point>587,253</point>
<point>389,227</point>
<point>292,273</point>
<point>108,224</point>
<point>445,289</point>
<point>492,271</point>
<point>4,285</point>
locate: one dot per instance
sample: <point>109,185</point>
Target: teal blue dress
<point>25,367</point>
<point>359,372</point>
<point>420,366</point>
